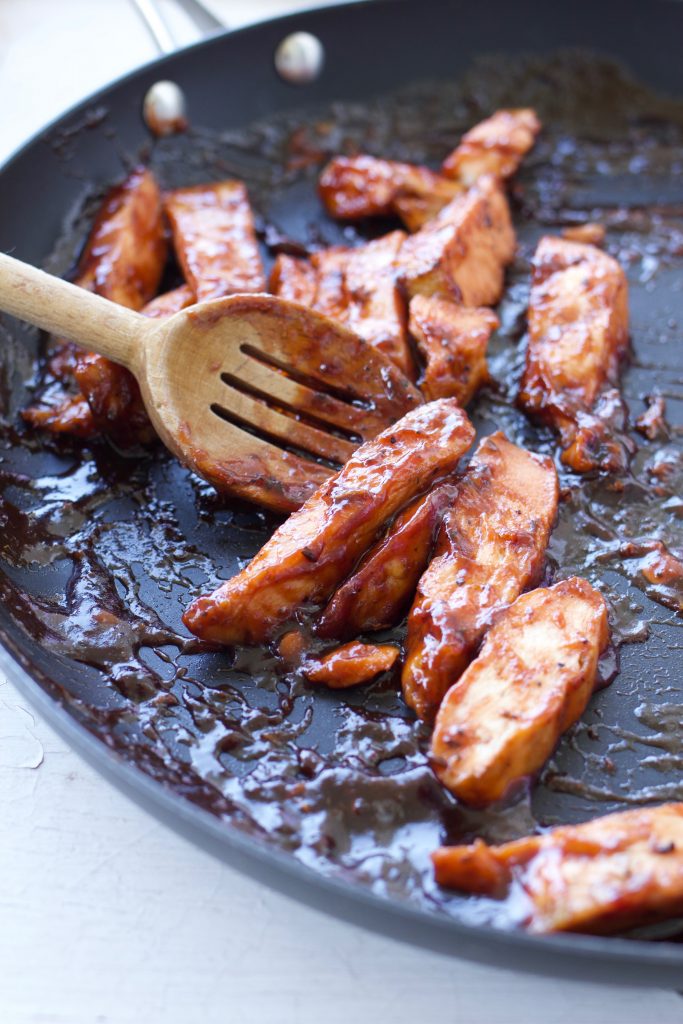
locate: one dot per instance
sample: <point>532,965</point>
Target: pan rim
<point>591,958</point>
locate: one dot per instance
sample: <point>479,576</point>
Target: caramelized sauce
<point>100,554</point>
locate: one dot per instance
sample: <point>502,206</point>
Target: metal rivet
<point>164,108</point>
<point>299,58</point>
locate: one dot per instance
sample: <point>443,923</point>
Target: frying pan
<point>139,536</point>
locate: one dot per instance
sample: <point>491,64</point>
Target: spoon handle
<point>72,312</point>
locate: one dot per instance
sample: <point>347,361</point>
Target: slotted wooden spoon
<point>249,391</point>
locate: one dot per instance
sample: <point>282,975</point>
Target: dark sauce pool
<point>100,553</point>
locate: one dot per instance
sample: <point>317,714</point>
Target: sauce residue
<point>100,554</point>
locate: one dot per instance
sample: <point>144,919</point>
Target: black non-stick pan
<point>328,796</point>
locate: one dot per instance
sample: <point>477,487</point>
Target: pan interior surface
<point>101,552</point>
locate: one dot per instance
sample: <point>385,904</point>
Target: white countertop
<point>106,917</point>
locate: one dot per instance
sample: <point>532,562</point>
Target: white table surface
<point>105,915</point>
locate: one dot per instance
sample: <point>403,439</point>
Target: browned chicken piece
<point>125,253</point>
<point>494,146</point>
<point>114,398</point>
<point>350,665</point>
<point>500,722</point>
<point>123,258</point>
<point>358,288</point>
<point>452,340</point>
<point>462,253</point>
<point>490,548</point>
<point>379,591</point>
<point>377,309</point>
<point>317,547</point>
<point>661,567</point>
<point>71,414</point>
<point>214,238</point>
<point>170,303</point>
<point>294,278</point>
<point>415,211</point>
<point>62,356</point>
<point>364,186</point>
<point>578,334</point>
<point>590,233</point>
<point>113,393</point>
<point>123,261</point>
<point>665,573</point>
<point>331,297</point>
<point>652,423</point>
<point>601,877</point>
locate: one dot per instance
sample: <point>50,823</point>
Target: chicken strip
<point>123,261</point>
<point>349,665</point>
<point>463,252</point>
<point>294,278</point>
<point>215,240</point>
<point>494,146</point>
<point>125,253</point>
<point>607,875</point>
<point>499,723</point>
<point>358,288</point>
<point>578,334</point>
<point>170,303</point>
<point>452,340</point>
<point>379,591</point>
<point>364,186</point>
<point>331,297</point>
<point>490,548</point>
<point>114,399</point>
<point>68,414</point>
<point>316,548</point>
<point>377,309</point>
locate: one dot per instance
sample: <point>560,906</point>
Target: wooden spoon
<point>250,391</point>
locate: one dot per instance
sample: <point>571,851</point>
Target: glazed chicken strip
<point>123,261</point>
<point>331,297</point>
<point>214,238</point>
<point>491,547</point>
<point>578,334</point>
<point>125,253</point>
<point>294,278</point>
<point>66,414</point>
<point>358,288</point>
<point>377,309</point>
<point>365,186</point>
<point>170,302</point>
<point>317,547</point>
<point>604,876</point>
<point>350,665</point>
<point>378,593</point>
<point>452,340</point>
<point>494,146</point>
<point>499,723</point>
<point>462,253</point>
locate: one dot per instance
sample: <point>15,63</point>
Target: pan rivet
<point>164,108</point>
<point>299,58</point>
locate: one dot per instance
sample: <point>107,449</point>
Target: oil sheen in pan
<point>101,553</point>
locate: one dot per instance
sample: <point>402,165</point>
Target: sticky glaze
<point>101,554</point>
